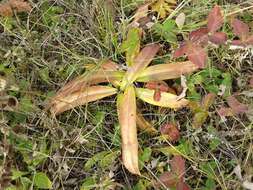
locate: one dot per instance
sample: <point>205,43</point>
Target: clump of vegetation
<point>137,95</point>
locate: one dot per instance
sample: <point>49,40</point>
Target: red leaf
<point>175,177</point>
<point>240,28</point>
<point>199,35</point>
<point>157,95</point>
<point>238,43</point>
<point>218,38</point>
<point>223,111</point>
<point>171,131</point>
<point>236,106</point>
<point>169,179</point>
<point>197,55</point>
<point>154,85</point>
<point>181,51</point>
<point>178,166</point>
<point>182,186</point>
<point>215,19</point>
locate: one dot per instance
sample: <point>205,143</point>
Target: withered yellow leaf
<point>81,97</point>
<point>166,71</point>
<point>167,99</point>
<point>126,105</point>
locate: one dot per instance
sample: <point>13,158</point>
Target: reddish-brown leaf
<point>161,85</point>
<point>178,166</point>
<point>238,43</point>
<point>236,106</point>
<point>181,51</point>
<point>182,186</point>
<point>171,131</point>
<point>223,111</point>
<point>207,101</point>
<point>215,19</point>
<point>175,178</point>
<point>218,38</point>
<point>157,95</point>
<point>169,179</point>
<point>240,29</point>
<point>199,35</point>
<point>197,55</point>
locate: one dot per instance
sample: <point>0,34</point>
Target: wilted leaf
<point>218,38</point>
<point>248,185</point>
<point>144,125</point>
<point>240,29</point>
<point>199,118</point>
<point>6,9</point>
<point>89,94</point>
<point>140,13</point>
<point>166,71</point>
<point>108,72</point>
<point>197,55</point>
<point>171,132</point>
<point>42,181</point>
<point>207,101</point>
<point>8,103</point>
<point>167,99</point>
<point>132,45</point>
<point>140,63</point>
<point>236,106</point>
<point>126,106</point>
<point>215,19</point>
<point>163,7</point>
<point>180,20</point>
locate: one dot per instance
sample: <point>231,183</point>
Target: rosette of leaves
<point>125,85</point>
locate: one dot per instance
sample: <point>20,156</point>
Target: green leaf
<point>184,148</point>
<point>44,74</point>
<point>42,181</point>
<point>167,30</point>
<point>146,154</point>
<point>199,119</point>
<point>106,161</point>
<point>88,183</point>
<point>209,168</point>
<point>210,184</point>
<point>94,159</point>
<point>145,157</point>
<point>141,185</point>
<point>131,45</point>
<point>17,174</point>
<point>227,82</point>
<point>25,182</point>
